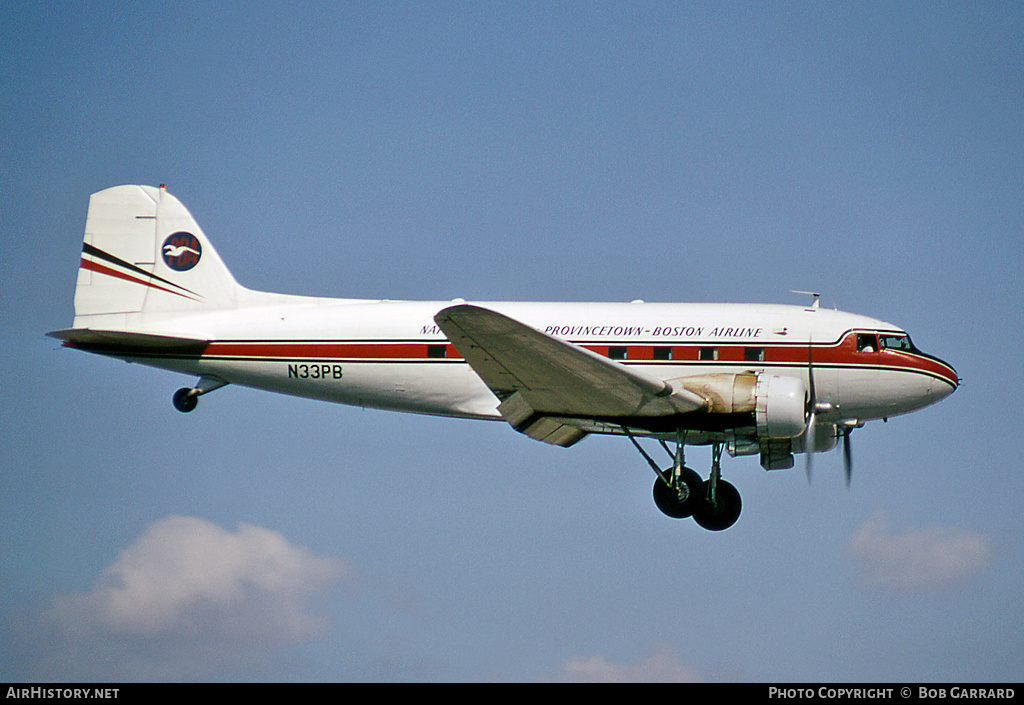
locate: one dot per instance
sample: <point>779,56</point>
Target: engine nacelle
<point>777,406</point>
<point>776,403</point>
<point>780,406</point>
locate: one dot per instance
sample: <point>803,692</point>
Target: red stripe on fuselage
<point>322,349</point>
<point>843,354</point>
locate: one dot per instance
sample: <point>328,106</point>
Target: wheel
<point>185,400</point>
<point>679,504</point>
<point>722,514</point>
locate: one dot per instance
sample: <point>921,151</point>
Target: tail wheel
<point>679,503</point>
<point>725,510</point>
<point>185,399</point>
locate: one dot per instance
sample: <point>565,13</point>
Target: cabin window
<point>867,342</point>
<point>617,352</point>
<point>662,353</point>
<point>436,350</point>
<point>753,354</point>
<point>708,354</point>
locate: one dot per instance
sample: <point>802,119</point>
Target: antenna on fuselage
<point>817,296</point>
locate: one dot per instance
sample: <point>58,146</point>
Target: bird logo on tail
<point>181,251</point>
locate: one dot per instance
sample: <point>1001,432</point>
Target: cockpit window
<point>896,342</point>
<point>866,343</point>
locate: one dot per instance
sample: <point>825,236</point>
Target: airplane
<point>748,379</point>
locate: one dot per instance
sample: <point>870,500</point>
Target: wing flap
<point>525,419</point>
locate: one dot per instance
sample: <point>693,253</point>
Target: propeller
<point>847,455</point>
<point>809,437</point>
<point>810,412</point>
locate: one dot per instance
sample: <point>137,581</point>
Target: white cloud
<point>923,559</point>
<point>662,666</point>
<point>187,599</point>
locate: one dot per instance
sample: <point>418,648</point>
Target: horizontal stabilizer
<point>121,343</point>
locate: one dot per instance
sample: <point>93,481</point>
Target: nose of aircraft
<point>946,383</point>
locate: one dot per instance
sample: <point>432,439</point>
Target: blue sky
<point>512,151</point>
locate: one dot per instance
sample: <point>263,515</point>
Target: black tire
<point>668,500</point>
<point>723,513</point>
<point>184,400</point>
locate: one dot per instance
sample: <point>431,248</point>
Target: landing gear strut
<point>721,504</point>
<point>680,493</point>
<point>186,398</point>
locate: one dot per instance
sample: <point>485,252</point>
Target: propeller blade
<point>847,456</point>
<point>809,445</point>
<point>811,402</point>
<point>812,396</point>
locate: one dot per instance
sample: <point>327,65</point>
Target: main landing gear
<point>186,398</point>
<point>680,493</point>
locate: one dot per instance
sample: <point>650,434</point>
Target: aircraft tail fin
<point>145,254</point>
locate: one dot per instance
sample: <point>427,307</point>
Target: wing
<point>544,382</point>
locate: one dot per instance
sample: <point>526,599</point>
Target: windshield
<point>896,342</point>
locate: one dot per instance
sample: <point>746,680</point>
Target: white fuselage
<point>392,355</point>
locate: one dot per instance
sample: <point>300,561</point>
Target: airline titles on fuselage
<point>619,331</point>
